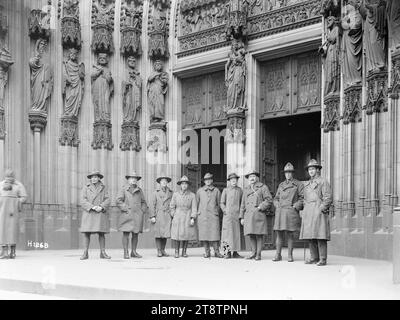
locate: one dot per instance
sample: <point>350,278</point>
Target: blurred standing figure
<point>288,202</point>
<point>208,199</point>
<point>95,218</point>
<point>12,196</point>
<point>230,205</point>
<point>183,212</point>
<point>315,215</point>
<point>256,201</point>
<point>160,214</point>
<point>133,207</point>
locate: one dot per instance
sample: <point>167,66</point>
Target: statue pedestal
<point>377,91</point>
<point>130,138</point>
<point>71,32</point>
<point>331,112</point>
<point>102,135</point>
<point>157,137</point>
<point>394,89</point>
<point>352,104</point>
<point>69,131</point>
<point>236,127</point>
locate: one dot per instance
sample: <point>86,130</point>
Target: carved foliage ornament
<point>69,132</point>
<point>70,25</point>
<point>394,90</point>
<point>377,92</point>
<point>352,104</point>
<point>331,113</point>
<point>236,128</point>
<point>39,24</point>
<point>131,27</point>
<point>237,19</point>
<point>158,29</point>
<point>102,135</point>
<point>130,139</point>
<point>103,25</point>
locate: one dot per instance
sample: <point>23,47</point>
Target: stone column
<point>396,245</point>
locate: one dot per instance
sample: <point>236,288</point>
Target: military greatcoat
<point>288,202</point>
<point>93,221</point>
<point>255,220</point>
<point>208,201</point>
<point>315,215</point>
<point>161,211</point>
<point>183,207</point>
<point>230,204</point>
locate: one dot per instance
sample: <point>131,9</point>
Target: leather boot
<point>184,248</point>
<point>228,255</point>
<point>4,252</point>
<point>102,243</point>
<point>252,256</point>
<point>207,253</point>
<point>217,254</point>
<point>290,255</point>
<point>236,255</point>
<point>12,253</point>
<point>135,239</point>
<point>278,255</point>
<point>125,244</point>
<point>163,244</point>
<point>85,255</point>
<point>259,247</point>
<point>177,244</point>
<point>104,255</point>
<point>290,246</point>
<point>158,245</point>
<point>323,252</point>
<point>253,243</point>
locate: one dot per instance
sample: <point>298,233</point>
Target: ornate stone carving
<point>331,113</point>
<point>394,89</point>
<point>131,27</point>
<point>131,104</point>
<point>377,92</point>
<point>3,23</point>
<point>39,24</point>
<point>236,128</point>
<point>352,45</point>
<point>5,63</point>
<point>158,29</point>
<point>157,87</point>
<point>352,104</point>
<point>103,25</point>
<point>198,36</point>
<point>70,25</point>
<point>236,26</point>
<point>2,125</point>
<point>235,77</point>
<point>102,91</point>
<point>69,131</point>
<point>41,85</point>
<point>330,51</point>
<point>330,8</point>
<point>157,137</point>
<point>102,135</point>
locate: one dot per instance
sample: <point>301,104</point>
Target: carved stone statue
<point>331,52</point>
<point>132,92</point>
<point>157,87</point>
<point>41,79</point>
<point>131,27</point>
<point>102,88</point>
<point>393,12</point>
<point>5,63</point>
<point>375,34</point>
<point>235,78</point>
<point>352,45</point>
<point>103,26</point>
<point>73,84</point>
<point>158,30</point>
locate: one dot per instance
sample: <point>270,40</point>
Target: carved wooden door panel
<point>269,170</point>
<point>193,101</point>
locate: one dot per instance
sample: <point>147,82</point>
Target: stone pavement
<point>62,274</point>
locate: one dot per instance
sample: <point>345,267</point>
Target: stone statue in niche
<point>236,26</point>
<point>103,26</point>
<point>331,52</point>
<point>5,63</point>
<point>157,87</point>
<point>235,78</point>
<point>131,27</point>
<point>352,44</point>
<point>41,79</point>
<point>393,13</point>
<point>102,89</point>
<point>131,93</point>
<point>330,8</point>
<point>70,25</point>
<point>73,84</point>
<point>158,31</point>
<point>375,34</point>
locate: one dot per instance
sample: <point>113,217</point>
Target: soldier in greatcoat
<point>208,200</point>
<point>184,213</point>
<point>95,218</point>
<point>12,196</point>
<point>315,215</point>
<point>256,201</point>
<point>134,210</point>
<point>230,205</point>
<point>160,216</point>
<point>288,202</point>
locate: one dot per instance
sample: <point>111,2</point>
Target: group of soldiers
<point>184,216</point>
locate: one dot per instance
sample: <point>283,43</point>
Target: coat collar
<point>167,190</point>
<point>93,187</point>
<point>211,188</point>
<point>132,189</point>
<point>183,193</point>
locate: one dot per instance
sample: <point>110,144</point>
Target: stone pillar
<point>396,245</point>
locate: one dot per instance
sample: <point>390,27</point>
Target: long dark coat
<point>93,221</point>
<point>133,207</point>
<point>161,211</point>
<point>10,206</point>
<point>183,207</point>
<point>288,202</point>
<point>315,215</point>
<point>208,200</point>
<point>255,220</point>
<point>231,199</point>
